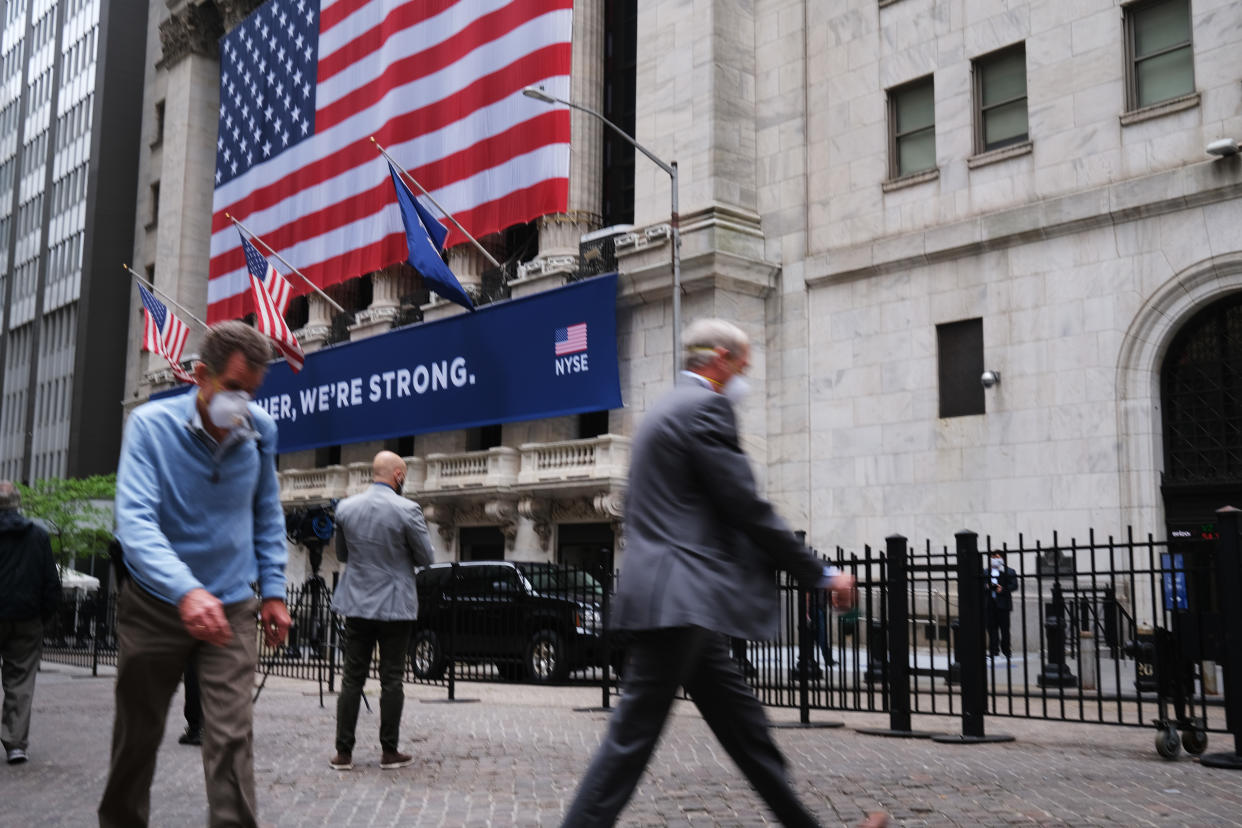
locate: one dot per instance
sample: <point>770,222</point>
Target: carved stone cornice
<point>470,513</point>
<point>610,505</point>
<point>537,511</point>
<point>548,266</point>
<point>574,217</point>
<point>572,509</point>
<point>233,12</point>
<point>191,30</point>
<point>503,512</point>
<point>312,337</point>
<point>444,517</point>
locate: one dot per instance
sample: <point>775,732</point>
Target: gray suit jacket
<point>701,545</point>
<point>383,536</point>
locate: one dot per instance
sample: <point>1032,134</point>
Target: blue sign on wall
<point>546,355</point>
<point>1174,578</point>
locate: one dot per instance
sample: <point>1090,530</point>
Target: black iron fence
<point>1126,631</point>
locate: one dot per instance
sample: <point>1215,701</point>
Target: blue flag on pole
<point>424,236</point>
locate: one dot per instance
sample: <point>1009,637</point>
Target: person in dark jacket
<point>701,545</point>
<point>998,605</point>
<point>29,593</point>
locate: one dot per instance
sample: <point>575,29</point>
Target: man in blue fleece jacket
<point>199,519</point>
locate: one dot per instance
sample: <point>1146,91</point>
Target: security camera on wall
<point>989,379</point>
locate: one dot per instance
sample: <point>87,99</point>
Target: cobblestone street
<point>515,756</point>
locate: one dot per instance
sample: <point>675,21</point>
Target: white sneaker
<point>17,756</point>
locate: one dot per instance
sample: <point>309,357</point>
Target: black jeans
<point>658,662</point>
<point>361,636</point>
<point>997,620</point>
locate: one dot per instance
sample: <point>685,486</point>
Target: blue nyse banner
<point>546,355</point>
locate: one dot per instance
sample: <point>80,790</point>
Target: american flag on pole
<point>163,333</point>
<point>268,318</point>
<point>275,284</point>
<point>571,340</point>
<point>305,84</point>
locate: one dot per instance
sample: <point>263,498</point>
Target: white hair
<point>704,336</point>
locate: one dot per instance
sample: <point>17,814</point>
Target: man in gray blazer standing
<point>381,538</point>
<point>701,547</point>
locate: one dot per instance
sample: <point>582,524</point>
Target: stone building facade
<point>888,196</point>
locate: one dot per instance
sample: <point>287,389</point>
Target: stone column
<point>559,234</point>
<point>318,326</point>
<point>468,265</point>
<point>189,47</point>
<point>385,308</point>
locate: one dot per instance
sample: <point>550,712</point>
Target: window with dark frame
<point>620,90</point>
<point>912,128</point>
<point>1000,99</point>
<point>483,437</point>
<point>402,446</point>
<point>159,124</point>
<point>155,205</point>
<point>1159,52</point>
<point>327,456</point>
<point>592,424</point>
<point>959,357</point>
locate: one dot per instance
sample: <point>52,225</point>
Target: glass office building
<point>68,150</point>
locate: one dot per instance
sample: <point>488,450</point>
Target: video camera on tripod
<point>312,527</point>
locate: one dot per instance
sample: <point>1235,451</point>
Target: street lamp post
<point>670,168</point>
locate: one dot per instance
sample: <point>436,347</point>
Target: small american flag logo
<point>571,340</point>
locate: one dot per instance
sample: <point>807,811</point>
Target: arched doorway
<point>1201,404</point>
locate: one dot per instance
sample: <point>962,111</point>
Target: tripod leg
<point>271,662</point>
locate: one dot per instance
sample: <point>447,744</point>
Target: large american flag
<point>304,85</point>
<point>268,314</point>
<point>163,333</point>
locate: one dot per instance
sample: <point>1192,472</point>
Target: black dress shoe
<point>191,737</point>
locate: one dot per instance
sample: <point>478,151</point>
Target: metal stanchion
<point>450,651</point>
<point>1056,673</point>
<point>970,645</point>
<point>897,584</point>
<point>605,684</point>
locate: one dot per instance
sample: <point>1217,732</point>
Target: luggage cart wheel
<point>1195,740</point>
<point>1167,743</point>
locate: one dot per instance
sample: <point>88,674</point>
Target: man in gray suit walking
<point>701,547</point>
<point>382,538</point>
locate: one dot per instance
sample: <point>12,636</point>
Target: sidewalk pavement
<point>515,756</point>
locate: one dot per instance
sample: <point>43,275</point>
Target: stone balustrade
<point>601,458</point>
<point>598,458</point>
<point>314,484</point>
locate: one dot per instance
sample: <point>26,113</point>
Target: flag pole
<point>431,198</point>
<point>171,300</point>
<point>284,262</point>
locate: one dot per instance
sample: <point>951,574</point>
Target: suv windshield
<point>573,583</point>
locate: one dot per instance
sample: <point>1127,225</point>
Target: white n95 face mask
<point>736,389</point>
<point>227,409</point>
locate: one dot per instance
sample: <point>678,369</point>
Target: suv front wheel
<point>545,657</point>
<point>426,655</point>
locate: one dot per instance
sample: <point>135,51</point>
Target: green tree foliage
<point>78,528</point>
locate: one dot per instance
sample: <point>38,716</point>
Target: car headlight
<point>588,621</point>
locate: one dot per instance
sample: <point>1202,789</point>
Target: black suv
<point>536,621</point>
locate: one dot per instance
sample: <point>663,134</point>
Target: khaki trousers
<point>21,643</point>
<point>153,649</point>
